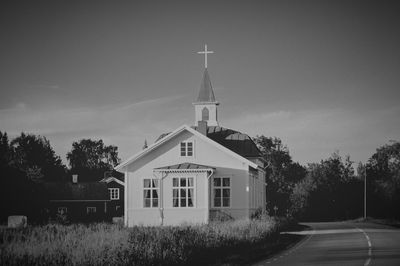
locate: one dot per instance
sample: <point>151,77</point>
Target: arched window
<point>205,114</point>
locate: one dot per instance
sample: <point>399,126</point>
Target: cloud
<point>312,135</point>
<point>47,86</point>
<point>125,124</point>
<point>20,106</point>
<point>53,120</point>
<point>150,103</point>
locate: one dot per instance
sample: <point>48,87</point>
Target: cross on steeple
<point>205,106</point>
<point>205,52</point>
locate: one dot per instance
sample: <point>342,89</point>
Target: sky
<point>323,76</point>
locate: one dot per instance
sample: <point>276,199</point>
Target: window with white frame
<point>222,192</point>
<point>114,193</point>
<point>187,148</point>
<point>90,210</point>
<point>182,192</point>
<point>150,193</point>
<point>62,210</point>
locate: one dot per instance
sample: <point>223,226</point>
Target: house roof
<point>175,133</point>
<point>113,173</point>
<point>111,179</point>
<point>162,136</point>
<point>206,93</point>
<point>186,166</point>
<point>236,141</point>
<point>85,191</point>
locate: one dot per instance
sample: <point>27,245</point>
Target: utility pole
<point>365,192</point>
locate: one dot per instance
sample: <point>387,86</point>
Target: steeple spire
<point>206,105</point>
<point>206,93</point>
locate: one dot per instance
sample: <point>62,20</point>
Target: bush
<point>106,244</point>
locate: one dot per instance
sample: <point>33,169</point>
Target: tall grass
<point>105,244</point>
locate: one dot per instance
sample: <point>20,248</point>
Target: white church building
<point>196,173</point>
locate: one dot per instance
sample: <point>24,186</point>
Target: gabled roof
<point>175,133</point>
<point>111,179</point>
<point>85,191</point>
<point>206,93</point>
<point>115,174</point>
<point>236,141</point>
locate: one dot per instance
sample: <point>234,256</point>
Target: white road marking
<point>368,261</point>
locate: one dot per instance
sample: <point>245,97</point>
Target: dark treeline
<point>28,161</point>
<point>330,190</point>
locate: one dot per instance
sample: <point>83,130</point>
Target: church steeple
<point>206,105</point>
<point>206,93</point>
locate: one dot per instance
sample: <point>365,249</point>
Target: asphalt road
<point>343,243</point>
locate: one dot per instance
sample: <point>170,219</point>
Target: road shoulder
<point>289,240</point>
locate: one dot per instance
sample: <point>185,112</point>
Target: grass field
<point>235,242</point>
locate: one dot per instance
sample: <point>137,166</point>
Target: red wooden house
<point>86,201</point>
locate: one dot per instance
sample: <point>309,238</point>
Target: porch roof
<point>190,167</point>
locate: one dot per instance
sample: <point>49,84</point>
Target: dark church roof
<point>206,93</point>
<point>77,192</point>
<point>162,136</point>
<point>234,140</point>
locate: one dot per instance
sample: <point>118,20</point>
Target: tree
<point>282,173</point>
<point>25,162</point>
<point>330,191</point>
<point>5,150</point>
<point>91,158</point>
<point>299,199</point>
<point>34,156</point>
<point>383,181</point>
